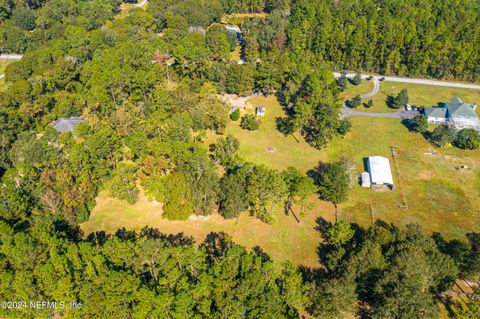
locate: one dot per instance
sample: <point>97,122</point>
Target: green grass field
<point>419,95</point>
<point>354,90</point>
<point>436,194</point>
<point>285,240</point>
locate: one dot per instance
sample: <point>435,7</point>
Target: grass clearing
<point>419,95</point>
<point>285,240</point>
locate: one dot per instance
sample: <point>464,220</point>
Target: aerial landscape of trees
<point>148,86</point>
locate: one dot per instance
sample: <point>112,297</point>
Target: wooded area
<point>148,88</point>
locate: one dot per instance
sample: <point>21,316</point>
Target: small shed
<point>67,124</point>
<point>380,172</point>
<point>366,180</point>
<point>260,111</point>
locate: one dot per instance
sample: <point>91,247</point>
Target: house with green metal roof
<point>455,113</point>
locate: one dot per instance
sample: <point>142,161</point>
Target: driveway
<point>376,88</point>
<point>403,115</point>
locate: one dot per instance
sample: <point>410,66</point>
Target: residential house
<point>455,114</point>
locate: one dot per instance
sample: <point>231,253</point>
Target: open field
<point>419,95</point>
<point>438,196</point>
<point>254,144</point>
<point>430,189</point>
<point>286,239</point>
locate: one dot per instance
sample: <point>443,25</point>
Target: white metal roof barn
<point>380,172</point>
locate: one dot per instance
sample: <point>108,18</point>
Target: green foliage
<point>398,101</point>
<point>24,18</point>
<point>344,127</point>
<point>418,124</point>
<point>342,82</point>
<point>239,79</point>
<point>332,181</point>
<point>355,102</point>
<point>232,196</point>
<point>357,79</point>
<point>235,115</point>
<point>123,184</point>
<point>369,103</point>
<point>379,38</point>
<point>249,122</point>
<point>178,197</point>
<point>340,233</point>
<point>467,139</point>
<point>443,135</point>
<point>225,151</point>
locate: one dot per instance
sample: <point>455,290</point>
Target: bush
<point>443,135</point>
<point>355,102</point>
<point>344,127</point>
<point>398,101</point>
<point>369,104</point>
<point>357,79</point>
<point>468,139</point>
<point>418,124</point>
<point>249,122</point>
<point>235,115</point>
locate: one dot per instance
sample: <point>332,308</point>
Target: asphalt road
<point>418,81</point>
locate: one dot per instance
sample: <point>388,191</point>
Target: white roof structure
<point>380,172</point>
<point>366,180</point>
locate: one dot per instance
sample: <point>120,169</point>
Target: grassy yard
<point>430,189</point>
<point>419,95</point>
<point>354,90</point>
<point>286,239</point>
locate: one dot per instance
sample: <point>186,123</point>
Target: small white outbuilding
<point>366,180</point>
<point>380,172</point>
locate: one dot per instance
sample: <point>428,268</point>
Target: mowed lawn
<point>419,95</point>
<point>284,240</point>
<point>354,90</point>
<point>267,145</point>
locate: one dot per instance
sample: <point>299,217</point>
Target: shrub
<point>344,127</point>
<point>235,115</point>
<point>443,135</point>
<point>357,79</point>
<point>355,102</point>
<point>398,101</point>
<point>418,124</point>
<point>468,139</point>
<point>249,122</point>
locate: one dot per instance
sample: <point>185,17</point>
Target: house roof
<point>379,168</point>
<point>435,112</point>
<point>456,107</point>
<point>67,124</point>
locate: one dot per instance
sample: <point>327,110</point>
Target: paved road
<point>11,56</point>
<point>418,81</point>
